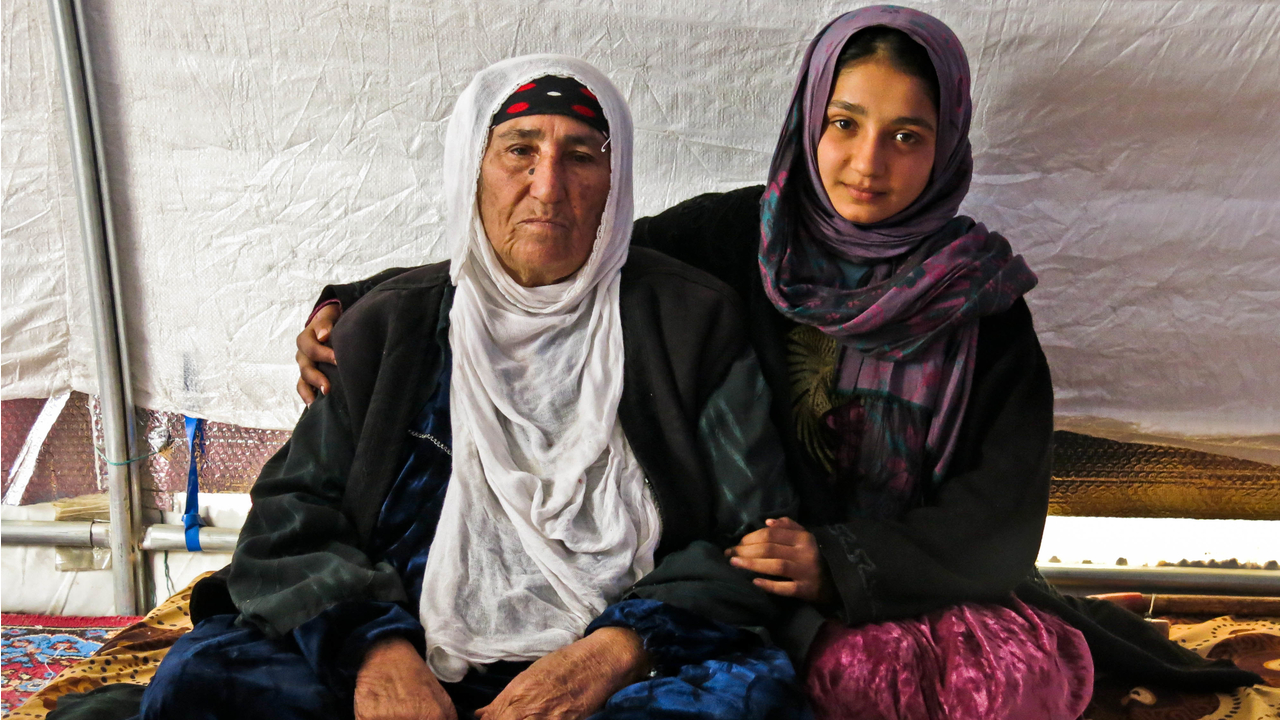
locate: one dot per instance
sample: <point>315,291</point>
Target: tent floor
<point>133,653</point>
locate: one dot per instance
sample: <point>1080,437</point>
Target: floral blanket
<point>36,648</point>
<point>130,655</point>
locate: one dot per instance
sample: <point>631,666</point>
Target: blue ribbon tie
<point>195,450</point>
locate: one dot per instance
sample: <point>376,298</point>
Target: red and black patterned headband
<point>553,95</point>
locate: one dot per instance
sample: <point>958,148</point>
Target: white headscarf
<point>547,518</point>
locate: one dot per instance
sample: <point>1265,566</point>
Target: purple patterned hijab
<point>902,296</point>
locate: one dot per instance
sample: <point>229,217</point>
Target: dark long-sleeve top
<point>692,408</point>
<point>977,533</point>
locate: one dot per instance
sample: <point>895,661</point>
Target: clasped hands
<point>786,551</point>
<point>573,682</point>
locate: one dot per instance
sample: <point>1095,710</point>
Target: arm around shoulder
<point>347,294</point>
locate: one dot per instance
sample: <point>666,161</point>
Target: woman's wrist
<point>393,649</point>
<point>625,652</point>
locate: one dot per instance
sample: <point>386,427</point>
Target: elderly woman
<point>514,498</point>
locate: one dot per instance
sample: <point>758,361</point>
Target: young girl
<point>918,387</point>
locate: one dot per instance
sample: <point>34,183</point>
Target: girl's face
<point>876,150</point>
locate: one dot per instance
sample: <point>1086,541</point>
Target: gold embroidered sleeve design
<point>811,359</point>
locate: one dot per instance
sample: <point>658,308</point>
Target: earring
<point>530,171</point>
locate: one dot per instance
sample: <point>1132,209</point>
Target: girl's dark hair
<point>904,54</point>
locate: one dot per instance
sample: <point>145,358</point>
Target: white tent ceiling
<point>1131,150</point>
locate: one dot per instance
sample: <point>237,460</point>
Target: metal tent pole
<point>70,533</point>
<point>114,389</point>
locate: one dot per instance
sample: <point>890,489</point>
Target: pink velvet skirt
<point>965,662</point>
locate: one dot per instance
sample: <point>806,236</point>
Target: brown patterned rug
<point>1251,643</point>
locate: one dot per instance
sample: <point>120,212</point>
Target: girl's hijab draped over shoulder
<point>902,296</point>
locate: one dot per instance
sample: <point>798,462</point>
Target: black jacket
<point>304,546</point>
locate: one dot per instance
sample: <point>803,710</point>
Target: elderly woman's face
<point>544,181</point>
<point>876,150</point>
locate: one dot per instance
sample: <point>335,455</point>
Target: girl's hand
<point>784,549</point>
<point>312,350</point>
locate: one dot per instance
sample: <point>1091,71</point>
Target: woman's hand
<point>312,350</point>
<point>574,681</point>
<point>394,683</point>
<point>784,549</point>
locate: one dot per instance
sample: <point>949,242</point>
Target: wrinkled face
<point>877,145</point>
<point>543,185</point>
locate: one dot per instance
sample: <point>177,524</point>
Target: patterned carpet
<point>35,648</point>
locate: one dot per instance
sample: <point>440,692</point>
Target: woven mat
<point>1105,478</point>
<point>36,648</point>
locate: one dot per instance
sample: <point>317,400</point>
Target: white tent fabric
<point>258,150</point>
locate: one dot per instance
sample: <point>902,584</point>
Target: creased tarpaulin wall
<point>258,150</point>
